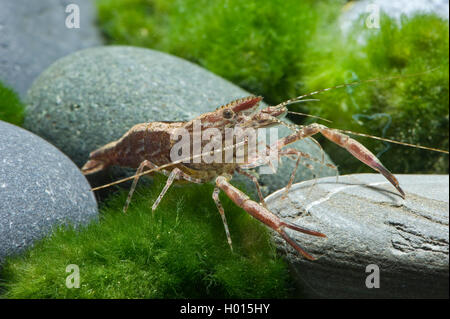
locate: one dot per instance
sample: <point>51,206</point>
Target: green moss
<point>179,252</point>
<point>11,109</point>
<point>409,109</point>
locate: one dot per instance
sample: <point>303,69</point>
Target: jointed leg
<point>175,174</point>
<point>222,214</point>
<point>255,181</point>
<point>298,155</point>
<point>264,215</point>
<point>145,163</point>
<point>355,148</point>
<point>291,179</point>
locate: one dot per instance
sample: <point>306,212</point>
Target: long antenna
<point>123,180</point>
<point>305,114</point>
<point>353,83</point>
<point>309,115</point>
<point>395,142</point>
<point>294,100</point>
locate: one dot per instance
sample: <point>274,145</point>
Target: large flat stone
<point>367,222</point>
<point>40,188</point>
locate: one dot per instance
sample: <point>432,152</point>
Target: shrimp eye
<point>228,114</point>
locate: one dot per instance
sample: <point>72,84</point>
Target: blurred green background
<point>283,48</point>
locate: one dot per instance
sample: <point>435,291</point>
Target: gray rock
<point>367,222</point>
<point>94,96</point>
<point>39,188</point>
<point>34,35</point>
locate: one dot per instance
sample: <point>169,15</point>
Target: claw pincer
<point>149,145</point>
<point>264,215</point>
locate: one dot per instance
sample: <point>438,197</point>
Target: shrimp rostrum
<point>172,148</point>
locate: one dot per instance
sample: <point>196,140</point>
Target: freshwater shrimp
<point>151,145</point>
